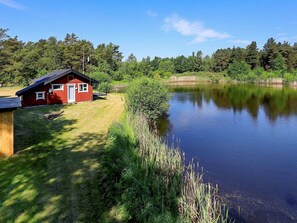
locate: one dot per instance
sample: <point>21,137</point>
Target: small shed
<point>7,106</point>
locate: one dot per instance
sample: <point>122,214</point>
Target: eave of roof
<point>48,78</point>
<point>8,104</point>
<point>18,93</point>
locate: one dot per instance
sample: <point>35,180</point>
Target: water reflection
<point>244,137</point>
<point>275,102</point>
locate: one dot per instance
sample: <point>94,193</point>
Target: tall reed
<point>196,200</point>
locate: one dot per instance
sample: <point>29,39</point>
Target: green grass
<point>146,181</point>
<point>55,175</point>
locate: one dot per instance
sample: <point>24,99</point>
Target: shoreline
<point>193,80</point>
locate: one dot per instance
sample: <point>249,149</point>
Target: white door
<point>71,93</point>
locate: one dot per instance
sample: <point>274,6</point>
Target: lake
<point>245,138</point>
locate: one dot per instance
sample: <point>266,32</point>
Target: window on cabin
<point>83,87</point>
<point>58,87</point>
<point>40,95</point>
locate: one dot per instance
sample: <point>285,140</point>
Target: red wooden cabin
<point>59,87</point>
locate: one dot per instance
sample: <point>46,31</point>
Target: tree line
<point>21,61</point>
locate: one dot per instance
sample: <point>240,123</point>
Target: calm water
<point>245,138</point>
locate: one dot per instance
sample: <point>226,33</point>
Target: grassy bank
<point>55,175</point>
<point>146,181</point>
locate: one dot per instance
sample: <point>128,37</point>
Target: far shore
<point>193,80</point>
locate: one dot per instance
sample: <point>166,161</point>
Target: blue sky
<point>163,28</point>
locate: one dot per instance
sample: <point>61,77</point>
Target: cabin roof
<point>43,80</point>
<point>8,104</point>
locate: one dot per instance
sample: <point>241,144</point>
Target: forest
<point>20,61</point>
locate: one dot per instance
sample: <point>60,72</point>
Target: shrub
<point>105,87</point>
<point>288,78</point>
<point>117,76</point>
<point>259,71</point>
<point>149,97</point>
<point>251,77</point>
<point>238,70</point>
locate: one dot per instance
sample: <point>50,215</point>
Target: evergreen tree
<point>207,63</point>
<point>279,64</point>
<point>195,61</point>
<point>252,56</point>
<point>270,51</point>
<point>221,59</point>
<point>287,51</point>
<point>237,54</point>
<point>145,66</point>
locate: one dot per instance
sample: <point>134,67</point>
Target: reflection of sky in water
<point>241,153</point>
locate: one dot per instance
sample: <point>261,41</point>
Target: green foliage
<point>109,53</point>
<point>238,70</point>
<point>105,87</point>
<point>221,59</point>
<point>252,57</point>
<point>144,174</point>
<point>279,63</point>
<point>21,62</point>
<point>166,66</point>
<point>117,76</point>
<point>270,51</point>
<point>237,54</point>
<point>147,96</point>
<point>101,77</point>
<point>290,77</point>
<point>259,71</point>
<point>41,73</point>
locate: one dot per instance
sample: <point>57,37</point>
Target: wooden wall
<point>6,133</point>
<point>58,96</point>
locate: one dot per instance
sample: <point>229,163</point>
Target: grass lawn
<point>8,91</point>
<point>54,176</point>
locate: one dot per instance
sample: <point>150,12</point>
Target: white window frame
<point>83,90</point>
<point>61,87</point>
<point>40,92</point>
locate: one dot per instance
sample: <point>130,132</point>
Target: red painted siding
<point>58,96</point>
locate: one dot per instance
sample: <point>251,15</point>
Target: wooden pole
<point>6,133</point>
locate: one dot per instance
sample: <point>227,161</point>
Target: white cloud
<point>151,13</point>
<point>240,41</point>
<point>195,29</point>
<point>13,4</point>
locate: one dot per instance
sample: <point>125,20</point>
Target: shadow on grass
<point>55,179</point>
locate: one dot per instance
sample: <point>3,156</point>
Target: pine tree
<point>270,51</point>
<point>252,55</point>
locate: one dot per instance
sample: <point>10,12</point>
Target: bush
<point>259,71</point>
<point>149,97</point>
<point>117,76</point>
<point>238,70</point>
<point>288,78</point>
<point>105,87</point>
<point>251,77</point>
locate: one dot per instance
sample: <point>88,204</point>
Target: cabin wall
<point>6,133</point>
<point>58,96</point>
<point>29,97</point>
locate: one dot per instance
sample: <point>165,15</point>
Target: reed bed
<point>196,201</point>
<point>144,180</point>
